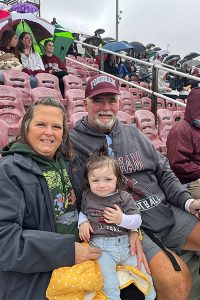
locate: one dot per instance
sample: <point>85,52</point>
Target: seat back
<point>48,80</point>
<point>21,81</point>
<point>43,92</point>
<point>11,108</point>
<point>178,115</point>
<point>124,117</point>
<point>161,103</point>
<point>165,123</point>
<point>82,74</point>
<point>76,117</point>
<point>91,72</point>
<point>3,133</point>
<point>72,82</point>
<point>123,86</point>
<point>145,121</point>
<point>146,103</point>
<point>11,98</point>
<point>127,103</point>
<point>171,105</point>
<point>135,92</point>
<point>71,70</point>
<point>75,101</point>
<point>146,86</point>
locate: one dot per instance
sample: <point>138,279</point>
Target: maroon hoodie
<point>183,142</point>
<point>53,63</point>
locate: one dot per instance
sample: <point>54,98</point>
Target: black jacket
<point>29,246</point>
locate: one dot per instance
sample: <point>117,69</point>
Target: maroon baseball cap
<point>101,84</point>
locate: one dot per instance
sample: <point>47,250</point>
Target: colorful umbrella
<point>62,41</point>
<point>4,6</point>
<point>24,8</point>
<point>4,14</point>
<point>40,28</point>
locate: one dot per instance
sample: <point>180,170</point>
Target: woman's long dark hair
<point>6,37</point>
<point>20,45</point>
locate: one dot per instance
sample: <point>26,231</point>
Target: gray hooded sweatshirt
<point>153,185</point>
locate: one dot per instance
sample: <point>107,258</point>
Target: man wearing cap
<point>164,203</point>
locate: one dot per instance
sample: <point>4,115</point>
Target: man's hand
<point>84,231</point>
<point>84,253</point>
<point>136,249</point>
<point>113,215</point>
<point>195,208</point>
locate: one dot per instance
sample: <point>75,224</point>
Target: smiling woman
<point>42,185</point>
<point>46,130</point>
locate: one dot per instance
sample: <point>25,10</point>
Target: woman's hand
<point>84,253</point>
<point>136,249</point>
<point>84,231</point>
<point>113,215</point>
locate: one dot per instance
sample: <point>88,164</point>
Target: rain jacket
<point>150,180</point>
<point>183,142</point>
<point>30,248</point>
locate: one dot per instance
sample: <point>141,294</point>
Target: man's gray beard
<point>103,126</point>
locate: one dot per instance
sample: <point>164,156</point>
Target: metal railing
<point>155,67</point>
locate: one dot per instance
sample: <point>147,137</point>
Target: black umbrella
<point>191,56</point>
<point>150,46</point>
<point>99,31</point>
<point>94,40</point>
<point>171,58</point>
<point>138,47</point>
<point>156,49</point>
<point>108,39</point>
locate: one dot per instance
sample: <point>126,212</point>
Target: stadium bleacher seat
<point>165,122</point>
<point>3,133</point>
<point>72,82</point>
<point>124,117</point>
<point>48,81</point>
<point>127,103</point>
<point>146,86</point>
<point>178,115</point>
<point>146,103</point>
<point>41,92</point>
<point>161,103</point>
<point>171,105</point>
<point>21,81</point>
<point>145,121</point>
<point>11,108</point>
<point>135,92</point>
<point>76,117</point>
<point>71,70</point>
<point>75,101</point>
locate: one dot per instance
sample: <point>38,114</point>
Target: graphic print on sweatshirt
<point>63,196</point>
<point>97,215</point>
<point>142,195</point>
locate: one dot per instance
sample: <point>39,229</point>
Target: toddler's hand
<point>113,215</point>
<point>84,231</point>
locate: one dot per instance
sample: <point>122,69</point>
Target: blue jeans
<point>116,251</point>
<point>33,81</point>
